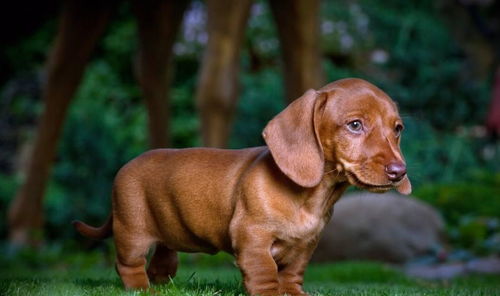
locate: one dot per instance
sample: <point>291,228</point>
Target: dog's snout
<point>395,171</point>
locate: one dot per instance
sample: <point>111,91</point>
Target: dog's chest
<point>304,226</point>
<point>308,226</point>
<point>295,236</point>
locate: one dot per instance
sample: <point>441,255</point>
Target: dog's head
<point>349,123</point>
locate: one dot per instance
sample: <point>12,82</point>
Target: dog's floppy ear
<point>292,138</point>
<point>405,186</point>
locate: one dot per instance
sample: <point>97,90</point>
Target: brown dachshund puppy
<point>266,205</point>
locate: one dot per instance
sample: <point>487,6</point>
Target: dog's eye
<point>398,129</point>
<point>355,126</point>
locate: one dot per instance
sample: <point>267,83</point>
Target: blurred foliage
<point>405,48</point>
<point>402,46</point>
<point>478,196</point>
<point>471,209</point>
<point>30,53</point>
<point>100,144</point>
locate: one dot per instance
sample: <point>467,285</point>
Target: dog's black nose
<point>395,171</point>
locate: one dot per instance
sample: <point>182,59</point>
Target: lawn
<point>93,274</point>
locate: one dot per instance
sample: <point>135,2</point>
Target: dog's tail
<point>101,232</point>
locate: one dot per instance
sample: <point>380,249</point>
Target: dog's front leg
<point>291,275</point>
<point>259,270</point>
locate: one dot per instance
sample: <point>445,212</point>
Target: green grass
<point>90,275</point>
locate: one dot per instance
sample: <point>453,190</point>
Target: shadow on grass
<point>93,283</point>
<point>205,282</point>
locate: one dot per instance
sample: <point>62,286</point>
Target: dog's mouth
<point>379,188</point>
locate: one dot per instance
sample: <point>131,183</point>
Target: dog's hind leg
<point>131,261</point>
<point>163,265</point>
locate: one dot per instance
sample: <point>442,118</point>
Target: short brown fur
<point>265,205</point>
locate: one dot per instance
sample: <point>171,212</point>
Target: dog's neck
<point>321,198</point>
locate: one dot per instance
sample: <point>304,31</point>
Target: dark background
<point>437,59</point>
